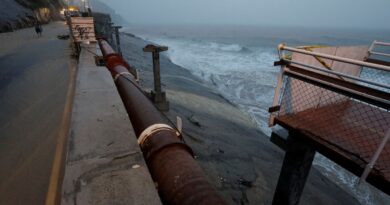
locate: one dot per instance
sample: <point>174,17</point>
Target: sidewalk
<point>104,163</point>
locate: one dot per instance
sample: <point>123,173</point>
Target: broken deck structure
<point>335,101</point>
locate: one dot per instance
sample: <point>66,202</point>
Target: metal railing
<point>374,44</point>
<point>282,47</point>
<point>282,57</point>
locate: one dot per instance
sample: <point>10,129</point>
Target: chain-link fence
<point>348,124</point>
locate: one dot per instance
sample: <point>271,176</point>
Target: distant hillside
<point>99,6</point>
<point>16,14</point>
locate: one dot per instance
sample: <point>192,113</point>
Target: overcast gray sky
<point>307,13</point>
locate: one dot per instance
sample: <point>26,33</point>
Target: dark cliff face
<point>36,4</point>
<point>16,14</point>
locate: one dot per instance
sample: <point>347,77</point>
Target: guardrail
<point>375,43</point>
<point>179,178</point>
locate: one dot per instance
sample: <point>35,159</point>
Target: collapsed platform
<point>348,132</point>
<point>334,101</point>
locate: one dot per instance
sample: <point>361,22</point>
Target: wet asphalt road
<point>34,74</point>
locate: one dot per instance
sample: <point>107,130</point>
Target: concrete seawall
<point>104,164</point>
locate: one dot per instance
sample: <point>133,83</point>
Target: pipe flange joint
<point>149,131</point>
<point>121,74</point>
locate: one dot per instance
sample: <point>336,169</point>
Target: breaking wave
<point>244,76</point>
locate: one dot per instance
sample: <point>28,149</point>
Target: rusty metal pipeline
<point>179,178</point>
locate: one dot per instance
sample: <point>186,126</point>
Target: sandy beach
<point>236,156</point>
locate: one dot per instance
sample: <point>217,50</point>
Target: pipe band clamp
<point>121,74</point>
<point>153,129</point>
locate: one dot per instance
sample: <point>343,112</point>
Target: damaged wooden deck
<point>336,133</point>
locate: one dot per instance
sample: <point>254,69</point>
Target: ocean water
<point>238,61</point>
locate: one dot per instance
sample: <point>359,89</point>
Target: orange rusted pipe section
<point>179,178</point>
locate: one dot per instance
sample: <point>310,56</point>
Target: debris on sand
<point>194,120</point>
<point>63,37</point>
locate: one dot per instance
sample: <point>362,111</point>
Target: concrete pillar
<point>156,72</point>
<point>158,96</point>
<point>117,39</point>
<point>295,170</point>
<point>109,32</point>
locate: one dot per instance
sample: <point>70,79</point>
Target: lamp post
<point>84,5</point>
<point>89,5</point>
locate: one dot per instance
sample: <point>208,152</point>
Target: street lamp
<point>84,5</point>
<point>89,6</point>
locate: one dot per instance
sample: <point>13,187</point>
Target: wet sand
<point>34,74</point>
<point>235,155</point>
